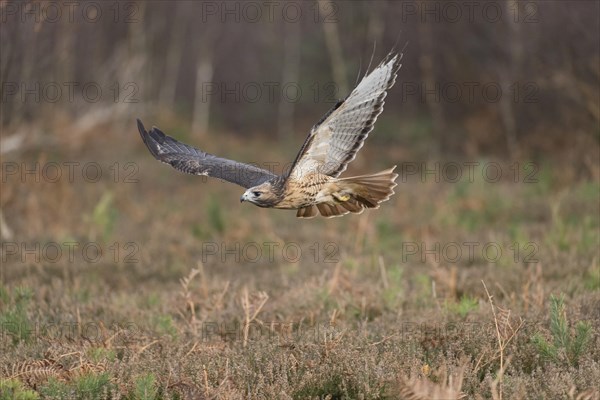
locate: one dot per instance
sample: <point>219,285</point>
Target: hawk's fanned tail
<point>375,188</point>
<point>355,194</point>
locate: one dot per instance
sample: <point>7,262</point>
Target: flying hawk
<point>311,185</point>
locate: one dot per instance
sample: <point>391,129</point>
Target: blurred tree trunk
<point>177,28</point>
<point>376,25</point>
<point>291,61</point>
<point>8,62</point>
<point>334,47</point>
<point>507,76</point>
<point>26,67</point>
<point>204,74</point>
<point>6,232</point>
<point>429,82</point>
<point>64,49</point>
<point>138,35</point>
<point>507,113</point>
<point>205,43</point>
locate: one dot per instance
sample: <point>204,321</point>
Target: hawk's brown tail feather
<point>352,205</point>
<point>307,212</point>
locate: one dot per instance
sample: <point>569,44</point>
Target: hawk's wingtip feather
<point>140,125</point>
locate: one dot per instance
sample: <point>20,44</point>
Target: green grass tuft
<point>565,345</point>
<point>14,389</point>
<point>146,387</point>
<point>55,389</point>
<point>93,386</point>
<point>465,305</point>
<point>104,217</point>
<point>13,315</point>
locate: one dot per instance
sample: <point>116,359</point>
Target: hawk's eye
<point>256,194</point>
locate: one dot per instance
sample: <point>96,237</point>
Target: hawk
<point>312,185</point>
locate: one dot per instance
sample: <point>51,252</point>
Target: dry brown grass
<point>352,317</point>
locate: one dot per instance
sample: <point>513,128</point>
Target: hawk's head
<point>262,195</point>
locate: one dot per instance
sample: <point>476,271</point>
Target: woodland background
<point>506,79</point>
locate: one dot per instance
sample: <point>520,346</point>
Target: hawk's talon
<point>341,198</point>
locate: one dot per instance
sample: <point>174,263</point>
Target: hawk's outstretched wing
<point>194,161</point>
<point>333,142</point>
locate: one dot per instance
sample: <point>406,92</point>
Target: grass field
<point>455,288</point>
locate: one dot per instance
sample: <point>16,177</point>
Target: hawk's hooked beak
<point>243,198</point>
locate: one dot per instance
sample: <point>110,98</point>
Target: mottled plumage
<point>312,185</point>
